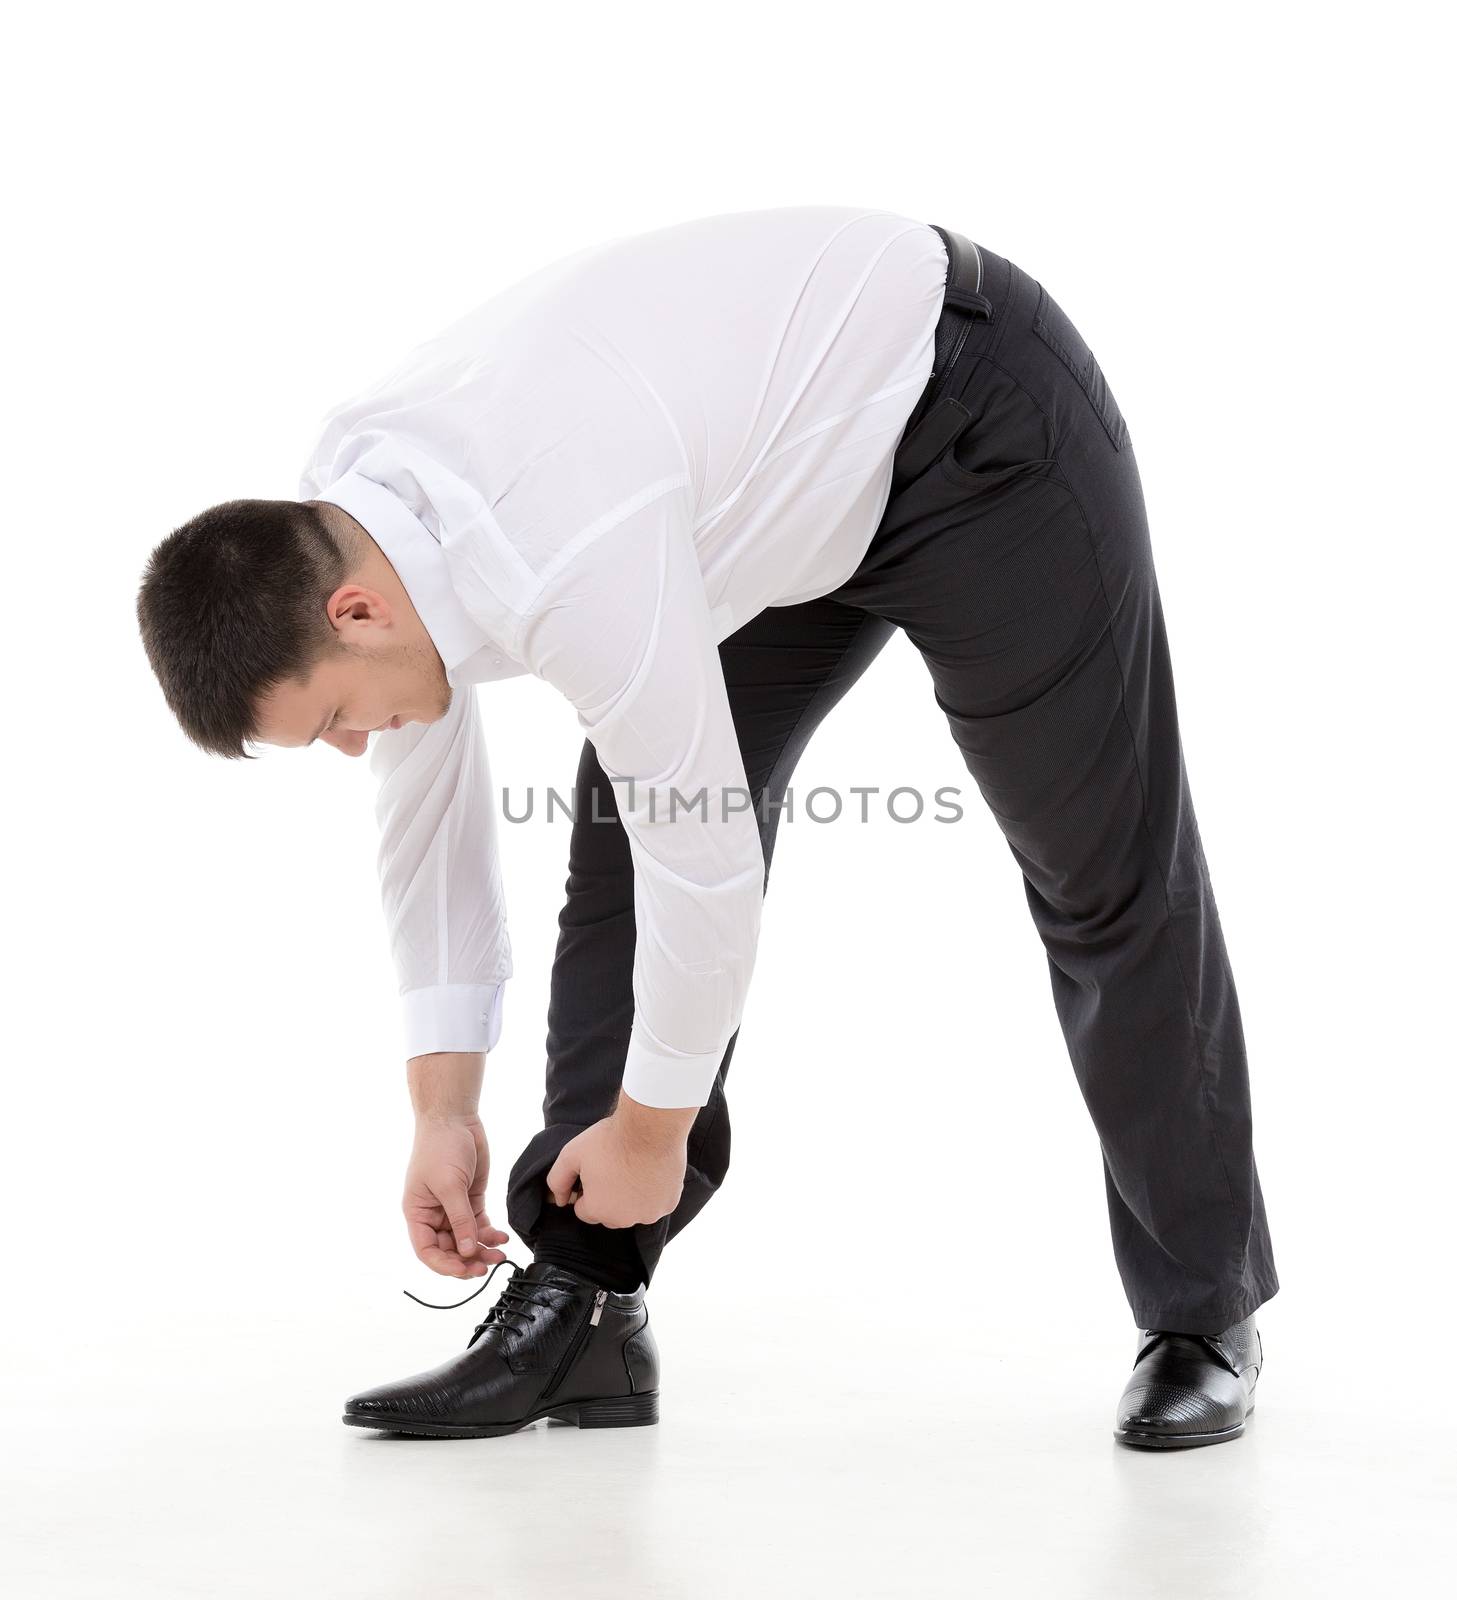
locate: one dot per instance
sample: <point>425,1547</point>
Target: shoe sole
<point>1178,1441</point>
<point>623,1411</point>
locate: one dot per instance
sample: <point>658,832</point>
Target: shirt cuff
<point>452,1016</point>
<point>657,1076</point>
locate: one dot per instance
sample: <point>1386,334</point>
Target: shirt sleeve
<point>623,631</point>
<point>440,879</point>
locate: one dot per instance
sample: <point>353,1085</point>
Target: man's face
<point>354,691</point>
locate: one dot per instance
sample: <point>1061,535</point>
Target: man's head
<point>281,621</point>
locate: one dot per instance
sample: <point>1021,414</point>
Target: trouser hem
<point>1182,1320</point>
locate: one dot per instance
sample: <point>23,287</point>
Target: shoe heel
<point>628,1411</point>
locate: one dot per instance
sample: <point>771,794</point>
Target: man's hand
<point>445,1186</point>
<point>629,1167</point>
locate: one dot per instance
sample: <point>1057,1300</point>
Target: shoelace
<point>513,1300</point>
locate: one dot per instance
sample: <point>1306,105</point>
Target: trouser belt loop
<point>964,274</point>
<point>936,421</point>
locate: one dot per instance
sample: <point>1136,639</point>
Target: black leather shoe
<point>553,1345</point>
<point>1190,1388</point>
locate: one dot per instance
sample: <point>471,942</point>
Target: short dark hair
<point>231,604</point>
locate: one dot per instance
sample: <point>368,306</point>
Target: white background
<point>894,1342</point>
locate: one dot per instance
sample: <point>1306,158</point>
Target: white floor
<point>849,1461</point>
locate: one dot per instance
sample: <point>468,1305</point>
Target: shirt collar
<point>415,554</point>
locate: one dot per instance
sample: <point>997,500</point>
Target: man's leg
<point>1019,564</point>
<point>784,670</point>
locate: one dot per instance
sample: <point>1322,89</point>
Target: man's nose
<point>347,741</point>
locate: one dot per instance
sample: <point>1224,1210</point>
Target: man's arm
<point>441,889</point>
<point>624,632</point>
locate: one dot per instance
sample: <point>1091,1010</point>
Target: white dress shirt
<point>596,477</point>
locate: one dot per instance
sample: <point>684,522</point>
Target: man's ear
<point>354,606</point>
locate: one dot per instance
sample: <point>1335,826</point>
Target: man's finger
<point>487,1238</point>
<point>562,1178</point>
<point>586,1214</point>
<point>462,1220</point>
<point>437,1252</point>
<point>488,1234</point>
<point>485,1233</point>
<point>422,1236</point>
<point>448,1264</point>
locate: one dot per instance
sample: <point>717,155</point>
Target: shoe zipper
<point>573,1350</point>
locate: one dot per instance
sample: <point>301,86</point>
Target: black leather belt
<point>935,423</point>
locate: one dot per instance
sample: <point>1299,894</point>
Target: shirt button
<point>496,660</point>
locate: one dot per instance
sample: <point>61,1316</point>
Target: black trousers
<point>1014,552</point>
